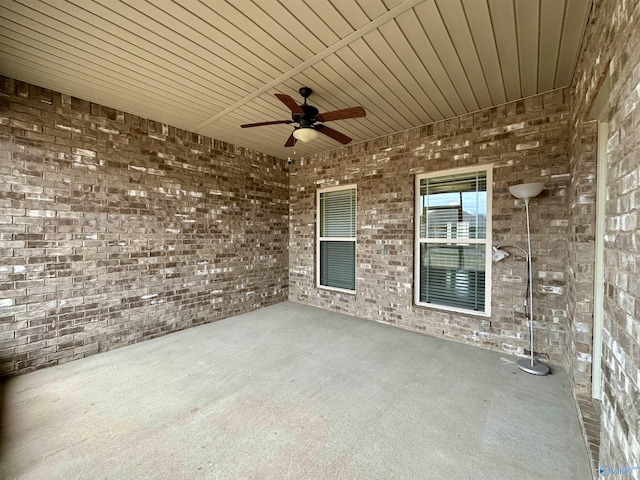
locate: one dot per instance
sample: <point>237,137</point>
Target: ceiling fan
<point>307,116</point>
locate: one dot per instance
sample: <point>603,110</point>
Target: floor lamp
<point>526,192</point>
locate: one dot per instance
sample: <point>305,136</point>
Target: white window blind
<point>452,247</point>
<point>337,238</point>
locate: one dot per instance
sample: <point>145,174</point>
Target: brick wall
<point>115,229</point>
<point>526,141</point>
<point>612,48</point>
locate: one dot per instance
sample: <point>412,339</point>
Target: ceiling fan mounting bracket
<point>305,92</point>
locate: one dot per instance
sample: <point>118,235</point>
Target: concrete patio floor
<point>295,392</point>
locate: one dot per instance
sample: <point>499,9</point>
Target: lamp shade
<point>527,190</point>
<point>499,254</point>
<point>305,134</point>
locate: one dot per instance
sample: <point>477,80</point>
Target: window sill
<point>432,306</point>
<point>334,289</point>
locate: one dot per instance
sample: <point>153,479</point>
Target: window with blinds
<point>336,246</point>
<point>453,226</point>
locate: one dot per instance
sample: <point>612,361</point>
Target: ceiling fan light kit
<point>307,118</point>
<point>305,134</point>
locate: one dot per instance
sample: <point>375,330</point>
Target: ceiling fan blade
<point>291,103</point>
<point>274,122</point>
<point>291,141</point>
<point>330,132</point>
<point>345,113</point>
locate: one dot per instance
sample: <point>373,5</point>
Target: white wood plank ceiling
<point>210,65</point>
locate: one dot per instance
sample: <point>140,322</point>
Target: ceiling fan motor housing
<point>309,118</point>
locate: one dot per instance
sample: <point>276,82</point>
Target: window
<point>453,255</point>
<point>336,234</point>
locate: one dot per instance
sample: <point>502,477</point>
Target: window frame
<point>487,241</point>
<point>320,239</point>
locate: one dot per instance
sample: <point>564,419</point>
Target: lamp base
<point>536,369</point>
